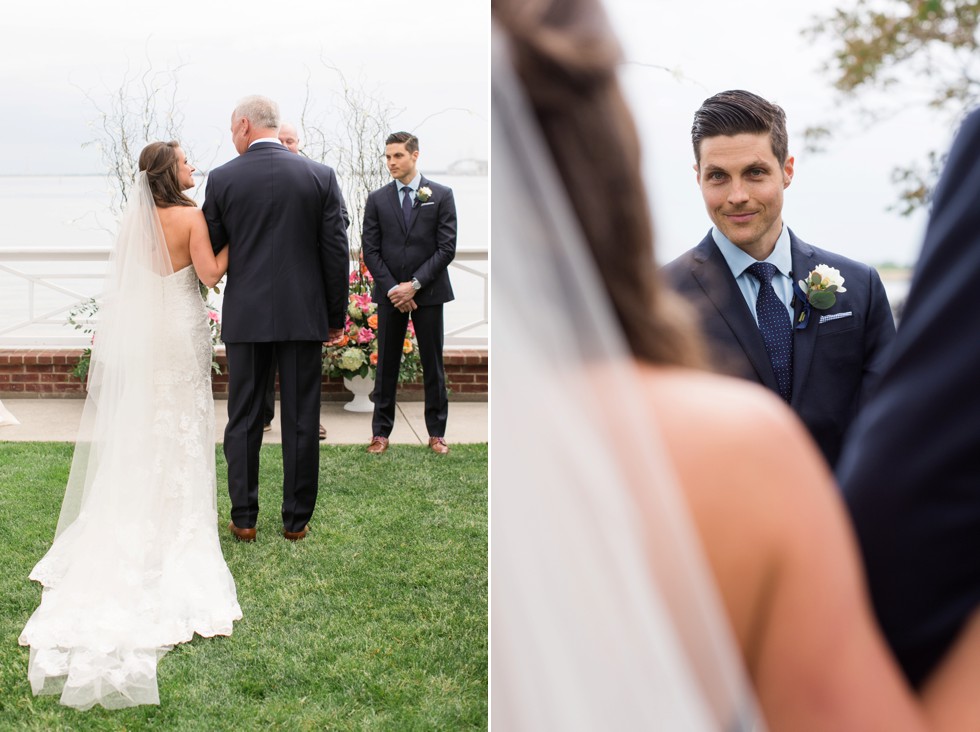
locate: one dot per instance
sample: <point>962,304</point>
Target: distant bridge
<point>469,166</point>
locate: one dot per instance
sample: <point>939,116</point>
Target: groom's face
<point>401,162</point>
<point>742,184</point>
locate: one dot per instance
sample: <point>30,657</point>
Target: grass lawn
<point>376,621</point>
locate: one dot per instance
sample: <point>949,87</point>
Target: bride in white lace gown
<point>136,565</point>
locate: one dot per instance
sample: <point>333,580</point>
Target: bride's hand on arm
<point>210,267</point>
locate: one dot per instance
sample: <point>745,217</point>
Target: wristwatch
<point>416,285</point>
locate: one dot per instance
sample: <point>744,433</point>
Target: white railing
<point>40,287</point>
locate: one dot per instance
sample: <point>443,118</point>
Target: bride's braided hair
<point>159,161</point>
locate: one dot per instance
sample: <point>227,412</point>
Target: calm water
<point>74,212</point>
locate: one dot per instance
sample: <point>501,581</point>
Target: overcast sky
<point>423,57</point>
<point>838,199</point>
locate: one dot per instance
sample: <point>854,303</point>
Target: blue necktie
<point>407,204</point>
<point>776,327</point>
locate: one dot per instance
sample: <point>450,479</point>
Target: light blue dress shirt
<point>408,190</point>
<point>738,262</point>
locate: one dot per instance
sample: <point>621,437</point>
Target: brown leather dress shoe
<point>378,445</point>
<point>438,444</point>
<point>295,535</point>
<point>247,535</point>
<point>323,432</point>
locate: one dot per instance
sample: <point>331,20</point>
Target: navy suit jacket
<point>282,215</point>
<point>395,253</point>
<point>836,363</point>
<point>910,471</point>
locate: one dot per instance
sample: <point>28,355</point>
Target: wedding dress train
<point>136,565</point>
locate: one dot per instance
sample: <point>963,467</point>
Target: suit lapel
<point>804,341</point>
<point>392,195</point>
<point>715,279</point>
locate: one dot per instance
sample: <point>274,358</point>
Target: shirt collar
<point>266,139</point>
<point>414,185</point>
<point>738,261</point>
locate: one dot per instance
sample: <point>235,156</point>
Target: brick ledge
<point>46,374</point>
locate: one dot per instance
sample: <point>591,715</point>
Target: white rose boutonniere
<point>819,290</point>
<point>424,194</point>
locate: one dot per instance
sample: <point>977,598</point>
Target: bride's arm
<point>210,267</point>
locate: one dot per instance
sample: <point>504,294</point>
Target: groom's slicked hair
<point>261,111</point>
<point>160,162</point>
<point>736,112</point>
<point>411,141</point>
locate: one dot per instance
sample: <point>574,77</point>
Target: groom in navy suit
<point>822,352</point>
<point>409,240</point>
<point>282,216</point>
<point>910,470</point>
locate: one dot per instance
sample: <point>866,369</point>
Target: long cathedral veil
<point>117,417</point>
<point>604,614</point>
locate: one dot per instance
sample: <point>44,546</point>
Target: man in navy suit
<point>409,240</point>
<point>286,294</point>
<point>910,470</point>
<point>820,351</point>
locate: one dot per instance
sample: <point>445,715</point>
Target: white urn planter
<point>361,386</point>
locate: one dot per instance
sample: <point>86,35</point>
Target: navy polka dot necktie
<point>407,204</point>
<point>776,327</point>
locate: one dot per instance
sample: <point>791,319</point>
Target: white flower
<point>822,285</point>
<point>424,194</point>
<point>830,276</point>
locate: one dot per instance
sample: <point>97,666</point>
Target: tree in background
<point>144,108</point>
<point>929,47</point>
<point>354,147</point>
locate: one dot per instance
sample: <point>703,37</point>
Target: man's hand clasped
<point>402,297</point>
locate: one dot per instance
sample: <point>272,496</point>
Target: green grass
<point>376,621</point>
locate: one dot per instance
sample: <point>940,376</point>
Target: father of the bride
<point>282,216</point>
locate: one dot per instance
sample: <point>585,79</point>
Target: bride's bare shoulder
<point>728,411</point>
<point>734,444</point>
<point>187,215</point>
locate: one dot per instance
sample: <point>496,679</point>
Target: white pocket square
<point>428,203</point>
<point>835,316</point>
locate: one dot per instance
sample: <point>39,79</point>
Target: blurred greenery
<point>882,45</point>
